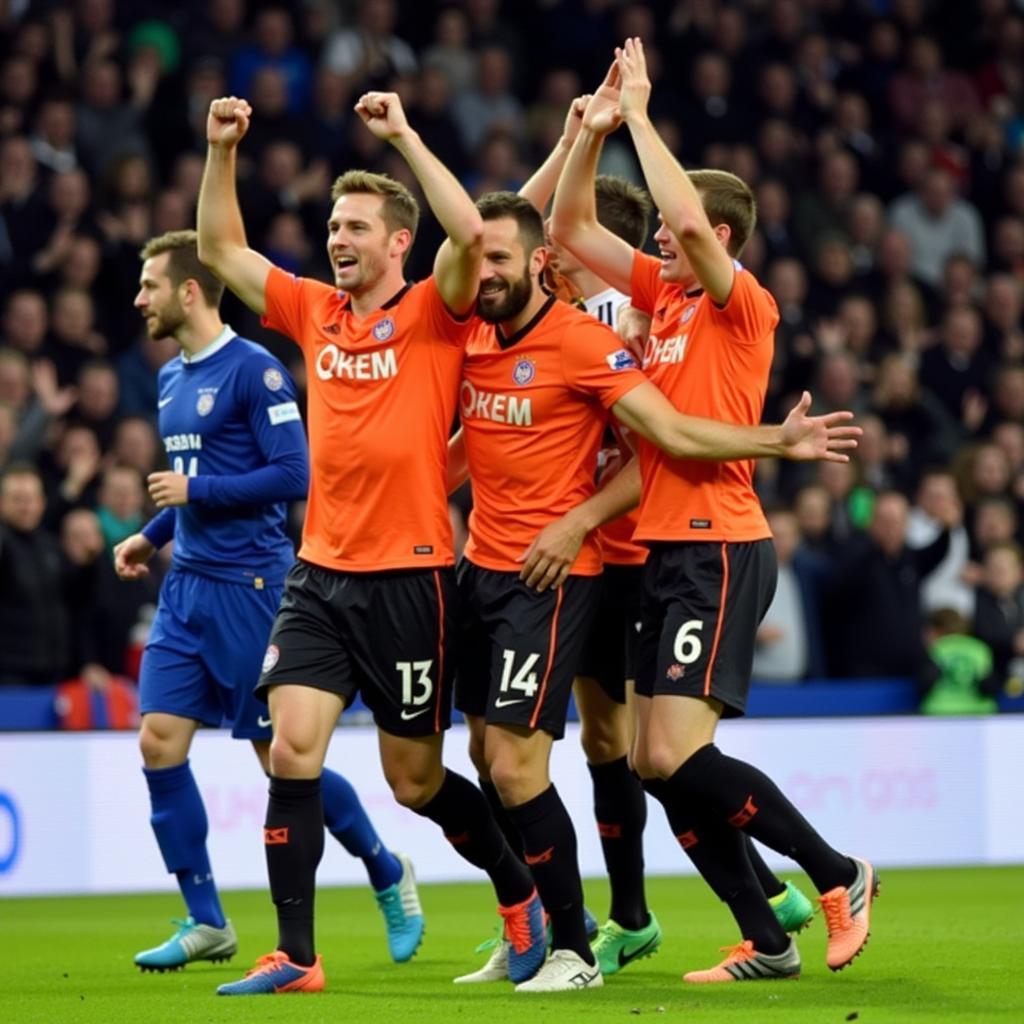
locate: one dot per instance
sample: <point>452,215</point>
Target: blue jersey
<point>230,423</point>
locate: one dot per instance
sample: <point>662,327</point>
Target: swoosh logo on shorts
<point>409,716</point>
<point>499,703</point>
<point>262,722</point>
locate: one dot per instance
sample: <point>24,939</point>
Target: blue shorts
<point>205,652</point>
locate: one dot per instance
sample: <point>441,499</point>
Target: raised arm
<point>677,200</point>
<point>541,184</point>
<point>801,438</point>
<point>574,222</point>
<point>457,265</point>
<point>222,244</point>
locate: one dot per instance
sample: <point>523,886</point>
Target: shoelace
<point>266,962</point>
<point>741,951</point>
<point>492,942</point>
<point>836,908</point>
<point>184,927</point>
<point>605,934</point>
<point>391,905</point>
<point>517,927</point>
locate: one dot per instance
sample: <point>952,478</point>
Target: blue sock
<point>179,822</point>
<point>347,822</point>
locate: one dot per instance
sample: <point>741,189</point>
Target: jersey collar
<point>504,342</point>
<point>212,349</point>
<point>390,304</point>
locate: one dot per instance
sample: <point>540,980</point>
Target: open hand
<point>602,114</point>
<point>635,87</point>
<point>818,438</point>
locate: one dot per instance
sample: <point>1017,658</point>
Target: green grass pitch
<point>945,947</point>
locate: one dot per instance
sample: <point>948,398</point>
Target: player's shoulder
<point>257,364</point>
<point>567,316</point>
<point>171,369</point>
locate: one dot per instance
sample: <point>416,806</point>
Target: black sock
<point>621,813</point>
<point>294,843</point>
<point>508,830</point>
<point>719,852</point>
<point>462,812</point>
<point>549,846</point>
<point>770,884</point>
<point>747,799</point>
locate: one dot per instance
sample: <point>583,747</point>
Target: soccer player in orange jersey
<point>712,570</point>
<point>539,379</point>
<point>369,605</point>
<point>604,687</point>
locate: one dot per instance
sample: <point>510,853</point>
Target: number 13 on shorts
<point>417,684</point>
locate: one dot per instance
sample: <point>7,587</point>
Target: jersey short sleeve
<point>287,300</point>
<point>644,282</point>
<point>595,363</point>
<point>750,312</point>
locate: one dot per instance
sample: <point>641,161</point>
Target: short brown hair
<point>623,208</point>
<point>399,209</point>
<point>183,263</point>
<point>727,199</point>
<point>495,205</point>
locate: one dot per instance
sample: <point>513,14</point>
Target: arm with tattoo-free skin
<point>457,265</point>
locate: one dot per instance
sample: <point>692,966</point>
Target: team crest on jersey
<point>524,371</point>
<point>273,379</point>
<point>688,314</point>
<point>383,329</point>
<point>271,657</point>
<point>204,404</point>
<point>622,359</point>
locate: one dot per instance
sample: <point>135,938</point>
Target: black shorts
<point>518,650</point>
<point>384,634</point>
<point>702,604</point>
<point>610,650</point>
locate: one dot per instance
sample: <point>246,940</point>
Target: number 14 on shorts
<point>517,685</point>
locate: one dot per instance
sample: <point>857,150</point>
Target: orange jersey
<point>616,537</point>
<point>709,362</point>
<point>381,401</point>
<point>533,410</point>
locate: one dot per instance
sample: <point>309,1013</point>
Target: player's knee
<point>660,760</point>
<point>413,789</point>
<point>517,779</point>
<point>601,745</point>
<point>158,749</point>
<point>292,760</point>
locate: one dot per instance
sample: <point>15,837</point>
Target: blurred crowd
<point>884,140</point>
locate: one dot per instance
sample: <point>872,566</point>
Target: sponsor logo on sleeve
<point>286,412</point>
<point>273,379</point>
<point>622,359</point>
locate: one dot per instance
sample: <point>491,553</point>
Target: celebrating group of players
<point>374,603</point>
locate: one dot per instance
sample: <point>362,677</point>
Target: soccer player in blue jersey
<point>231,426</point>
